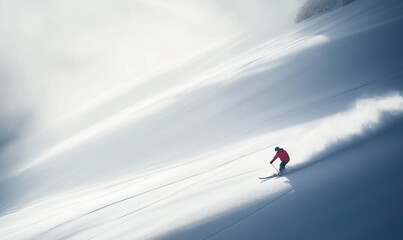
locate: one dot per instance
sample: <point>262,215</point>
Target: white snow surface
<point>179,156</point>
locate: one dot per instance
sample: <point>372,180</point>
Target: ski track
<point>139,194</point>
<point>160,187</point>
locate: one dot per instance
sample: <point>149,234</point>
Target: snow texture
<point>180,155</point>
<point>314,8</point>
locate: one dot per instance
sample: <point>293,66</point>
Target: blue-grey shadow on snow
<point>15,119</point>
<point>354,192</point>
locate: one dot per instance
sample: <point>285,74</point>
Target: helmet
<point>276,149</point>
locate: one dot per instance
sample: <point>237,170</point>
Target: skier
<point>283,155</point>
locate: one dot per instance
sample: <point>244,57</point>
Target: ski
<point>272,176</point>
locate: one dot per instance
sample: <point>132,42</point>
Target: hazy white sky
<point>60,54</point>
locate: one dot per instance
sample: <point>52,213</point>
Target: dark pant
<point>282,167</point>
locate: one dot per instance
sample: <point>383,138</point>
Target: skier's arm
<point>275,157</point>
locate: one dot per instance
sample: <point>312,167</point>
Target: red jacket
<point>283,155</point>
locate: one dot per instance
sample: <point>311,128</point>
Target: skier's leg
<point>282,167</point>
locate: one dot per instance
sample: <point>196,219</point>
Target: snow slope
<point>179,156</point>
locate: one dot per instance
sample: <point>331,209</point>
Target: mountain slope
<point>185,159</point>
<point>312,8</point>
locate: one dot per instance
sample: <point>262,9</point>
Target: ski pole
<point>274,167</point>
